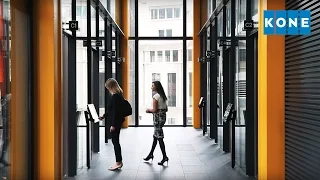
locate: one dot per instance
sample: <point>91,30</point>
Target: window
<point>169,32</point>
<point>189,120</point>
<point>169,12</point>
<point>161,33</point>
<point>172,89</point>
<point>162,14</point>
<point>175,55</point>
<point>156,77</point>
<point>152,56</point>
<point>171,121</point>
<point>189,54</point>
<point>167,55</point>
<point>154,13</point>
<point>79,11</point>
<point>159,56</point>
<point>177,12</point>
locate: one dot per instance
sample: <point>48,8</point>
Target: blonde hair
<point>113,86</point>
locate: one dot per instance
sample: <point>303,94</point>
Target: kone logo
<point>291,22</point>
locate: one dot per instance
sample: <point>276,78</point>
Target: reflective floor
<point>191,155</point>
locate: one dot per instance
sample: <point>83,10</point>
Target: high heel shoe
<point>116,167</point>
<point>148,157</point>
<point>163,161</point>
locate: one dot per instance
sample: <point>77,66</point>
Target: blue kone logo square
<point>290,22</point>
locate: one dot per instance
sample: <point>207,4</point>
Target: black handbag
<point>127,109</point>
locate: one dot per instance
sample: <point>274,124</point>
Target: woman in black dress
<point>159,110</point>
<point>115,118</point>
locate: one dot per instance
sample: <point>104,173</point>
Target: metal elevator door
<point>302,98</point>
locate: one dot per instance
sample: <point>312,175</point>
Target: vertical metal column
<point>213,82</point>
<point>118,54</point>
<point>108,68</point>
<point>232,73</point>
<point>136,63</point>
<point>184,60</point>
<point>250,98</point>
<point>225,84</point>
<point>95,86</point>
<point>89,50</point>
<point>72,96</point>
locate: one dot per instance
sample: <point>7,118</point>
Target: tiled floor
<point>191,156</point>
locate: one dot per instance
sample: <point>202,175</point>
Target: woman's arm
<point>154,107</point>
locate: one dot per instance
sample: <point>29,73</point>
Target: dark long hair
<point>160,90</point>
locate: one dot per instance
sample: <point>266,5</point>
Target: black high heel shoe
<point>163,161</point>
<point>150,156</point>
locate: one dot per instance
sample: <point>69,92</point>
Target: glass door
<point>240,105</point>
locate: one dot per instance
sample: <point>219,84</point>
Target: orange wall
<point>271,68</point>
<point>47,52</point>
<point>125,66</point>
<point>19,90</point>
<point>196,65</point>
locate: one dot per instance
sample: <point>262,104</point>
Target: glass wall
<point>161,61</point>
<point>240,104</point>
<point>132,84</point>
<point>189,82</point>
<point>240,17</point>
<point>208,104</point>
<point>220,83</point>
<point>160,18</point>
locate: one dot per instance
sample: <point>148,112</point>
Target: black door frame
<point>251,116</point>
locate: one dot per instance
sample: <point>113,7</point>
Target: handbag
<point>127,109</point>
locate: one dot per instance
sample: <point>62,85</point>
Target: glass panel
<point>161,33</point>
<point>220,84</point>
<point>208,81</point>
<point>160,15</point>
<point>220,24</point>
<point>210,7</point>
<point>228,14</point>
<point>167,55</point>
<point>169,32</point>
<point>132,17</point>
<point>254,8</point>
<point>132,84</point>
<point>81,18</point>
<point>175,56</point>
<point>240,104</point>
<point>189,82</point>
<point>169,12</point>
<point>93,22</point>
<point>82,77</point>
<point>218,2</point>
<point>113,9</point>
<point>168,73</point>
<point>159,55</point>
<point>240,17</point>
<point>189,18</point>
<point>102,88</point>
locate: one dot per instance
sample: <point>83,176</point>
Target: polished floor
<point>192,156</point>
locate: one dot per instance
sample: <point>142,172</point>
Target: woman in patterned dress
<point>158,110</point>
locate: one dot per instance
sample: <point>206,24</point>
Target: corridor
<point>191,156</point>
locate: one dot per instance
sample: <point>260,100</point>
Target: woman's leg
<point>116,144</point>
<point>154,144</point>
<point>162,147</point>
